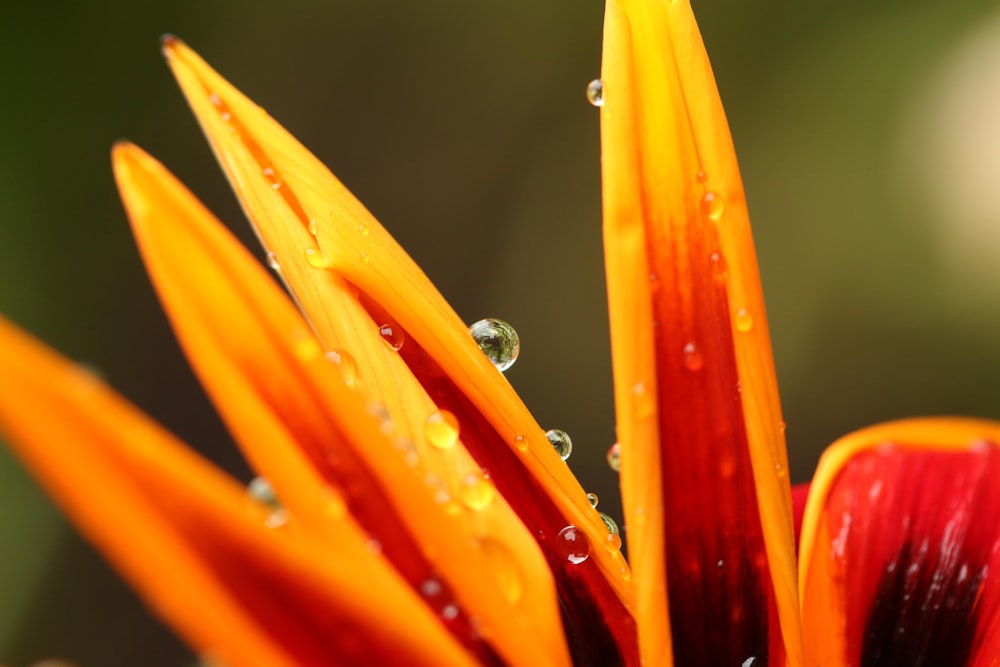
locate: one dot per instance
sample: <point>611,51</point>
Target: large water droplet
<point>477,491</point>
<point>441,429</point>
<point>614,457</point>
<point>345,364</point>
<point>504,568</point>
<point>498,341</point>
<point>592,499</point>
<point>560,442</point>
<point>573,545</point>
<point>595,92</point>
<point>392,335</point>
<point>316,258</point>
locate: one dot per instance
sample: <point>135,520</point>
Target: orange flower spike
<point>901,546</point>
<point>703,459</point>
<point>350,277</point>
<point>302,424</point>
<point>155,508</point>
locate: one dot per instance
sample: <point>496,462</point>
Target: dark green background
<point>463,126</point>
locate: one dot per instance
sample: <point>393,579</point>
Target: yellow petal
<point>699,420</point>
<point>350,277</point>
<point>190,541</point>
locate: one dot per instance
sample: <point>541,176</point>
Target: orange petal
<point>901,547</point>
<point>703,461</point>
<point>193,545</point>
<point>351,279</point>
<point>304,427</point>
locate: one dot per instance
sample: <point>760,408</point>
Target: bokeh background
<point>868,133</point>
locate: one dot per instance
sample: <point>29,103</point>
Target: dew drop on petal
<point>595,92</point>
<point>504,568</point>
<point>572,544</point>
<point>520,443</point>
<point>712,206</point>
<point>592,499</point>
<point>313,227</point>
<point>498,341</point>
<point>261,491</point>
<point>345,364</point>
<point>561,442</point>
<point>316,258</point>
<point>744,320</point>
<point>749,662</point>
<point>272,261</point>
<point>645,406</point>
<point>392,335</point>
<point>441,429</point>
<point>610,523</point>
<point>701,177</point>
<point>693,361</point>
<point>614,457</point>
<point>779,470</point>
<point>477,491</point>
<point>363,229</point>
<point>720,271</point>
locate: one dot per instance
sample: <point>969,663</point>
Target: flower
<point>424,517</point>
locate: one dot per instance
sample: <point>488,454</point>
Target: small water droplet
<point>505,568</point>
<point>449,612</point>
<point>441,429</point>
<point>779,470</point>
<point>573,545</point>
<point>272,261</point>
<point>712,206</point>
<point>614,457</point>
<point>701,176</point>
<point>346,364</point>
<point>313,227</point>
<point>363,229</point>
<point>592,499</point>
<point>520,443</point>
<point>560,442</point>
<point>693,361</point>
<point>595,92</point>
<point>365,258</point>
<point>261,490</point>
<point>316,258</point>
<point>720,564</point>
<point>744,320</point>
<point>782,426</point>
<point>644,404</point>
<point>610,523</point>
<point>272,177</point>
<point>392,335</point>
<point>498,341</point>
<point>717,263</point>
<point>477,491</point>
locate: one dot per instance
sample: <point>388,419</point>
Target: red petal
<point>900,543</point>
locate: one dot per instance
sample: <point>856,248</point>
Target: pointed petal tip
<point>168,42</point>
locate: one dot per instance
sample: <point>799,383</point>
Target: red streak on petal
<point>915,535</point>
<point>599,630</point>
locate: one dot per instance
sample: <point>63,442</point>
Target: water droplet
<point>498,341</point>
<point>572,544</point>
<point>363,229</point>
<point>392,335</point>
<point>449,612</point>
<point>720,564</point>
<point>744,320</point>
<point>592,499</point>
<point>712,206</point>
<point>720,271</point>
<point>782,426</point>
<point>477,491</point>
<point>749,662</point>
<point>504,568</point>
<point>520,443</point>
<point>272,261</point>
<point>693,361</point>
<point>560,442</point>
<point>613,542</point>
<point>779,470</point>
<point>701,176</point>
<point>595,92</point>
<point>441,429</point>
<point>346,364</point>
<point>614,457</point>
<point>644,404</point>
<point>431,588</point>
<point>261,490</point>
<point>610,523</point>
<point>365,258</point>
<point>316,258</point>
<point>272,177</point>
<point>313,227</point>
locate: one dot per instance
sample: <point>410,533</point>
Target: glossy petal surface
<point>413,355</point>
<point>901,547</point>
<point>703,463</point>
<point>191,542</point>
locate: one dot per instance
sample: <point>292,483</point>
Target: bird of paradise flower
<point>425,519</point>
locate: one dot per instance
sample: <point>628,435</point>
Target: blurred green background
<point>868,133</point>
